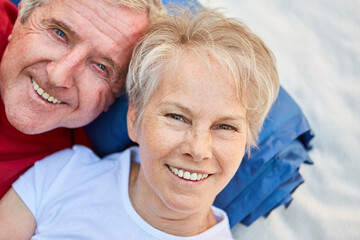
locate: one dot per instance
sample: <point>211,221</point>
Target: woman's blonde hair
<point>153,7</point>
<point>211,35</point>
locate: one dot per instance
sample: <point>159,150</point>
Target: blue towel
<point>16,2</point>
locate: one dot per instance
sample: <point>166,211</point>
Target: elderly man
<point>62,64</point>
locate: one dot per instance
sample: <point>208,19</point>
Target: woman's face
<point>192,136</point>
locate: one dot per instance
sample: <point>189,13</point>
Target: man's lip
<point>46,96</point>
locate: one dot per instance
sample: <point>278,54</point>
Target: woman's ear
<point>131,126</point>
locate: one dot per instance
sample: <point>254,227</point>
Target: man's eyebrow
<point>56,23</point>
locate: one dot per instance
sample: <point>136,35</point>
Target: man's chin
<point>29,129</point>
<point>28,125</point>
<point>30,122</point>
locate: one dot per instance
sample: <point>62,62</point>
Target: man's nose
<point>197,144</point>
<point>62,71</point>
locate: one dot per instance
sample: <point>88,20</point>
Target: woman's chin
<point>185,204</point>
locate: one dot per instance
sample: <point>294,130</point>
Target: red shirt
<point>19,151</point>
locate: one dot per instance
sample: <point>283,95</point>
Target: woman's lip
<point>188,175</point>
<point>188,169</point>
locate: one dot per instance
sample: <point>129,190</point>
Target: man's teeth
<point>187,175</point>
<point>44,94</point>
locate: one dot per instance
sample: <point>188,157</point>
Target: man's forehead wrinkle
<point>88,14</point>
<point>119,40</point>
<point>106,19</point>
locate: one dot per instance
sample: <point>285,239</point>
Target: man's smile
<point>44,94</point>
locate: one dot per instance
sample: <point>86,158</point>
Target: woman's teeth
<point>44,94</point>
<point>187,175</point>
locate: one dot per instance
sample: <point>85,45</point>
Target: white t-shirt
<point>75,195</point>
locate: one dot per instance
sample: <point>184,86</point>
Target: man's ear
<point>131,126</point>
<point>107,106</point>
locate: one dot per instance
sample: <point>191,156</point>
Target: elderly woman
<point>200,86</point>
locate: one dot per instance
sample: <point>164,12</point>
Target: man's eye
<point>102,67</point>
<point>60,33</point>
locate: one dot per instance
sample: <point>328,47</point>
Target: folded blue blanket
<point>267,179</point>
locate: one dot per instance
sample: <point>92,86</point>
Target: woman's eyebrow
<point>235,117</point>
<point>176,105</point>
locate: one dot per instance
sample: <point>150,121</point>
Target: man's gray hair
<point>211,36</point>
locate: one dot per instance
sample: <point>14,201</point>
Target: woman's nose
<point>197,145</point>
<point>62,71</point>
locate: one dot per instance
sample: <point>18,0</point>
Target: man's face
<point>63,66</point>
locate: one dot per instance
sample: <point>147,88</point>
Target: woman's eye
<point>60,33</point>
<point>102,67</point>
<point>226,127</point>
<point>176,117</point>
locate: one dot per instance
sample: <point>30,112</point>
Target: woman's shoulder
<point>222,229</point>
<point>131,153</point>
<point>83,157</point>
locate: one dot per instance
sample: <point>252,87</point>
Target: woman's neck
<point>153,210</point>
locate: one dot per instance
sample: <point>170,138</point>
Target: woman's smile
<point>188,175</point>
